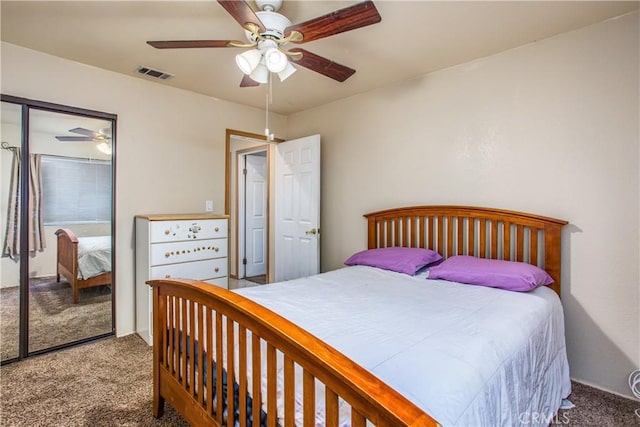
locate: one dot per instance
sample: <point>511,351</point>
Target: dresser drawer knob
<point>216,269</point>
<point>167,231</point>
<point>216,229</point>
<point>167,276</point>
<point>216,249</point>
<point>167,254</point>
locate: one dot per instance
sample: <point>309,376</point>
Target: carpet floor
<point>53,318</point>
<point>109,383</point>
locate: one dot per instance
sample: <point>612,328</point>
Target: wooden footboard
<point>199,325</point>
<point>67,264</point>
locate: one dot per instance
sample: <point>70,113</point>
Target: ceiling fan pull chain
<point>267,132</point>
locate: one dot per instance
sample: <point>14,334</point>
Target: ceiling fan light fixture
<point>275,60</point>
<point>249,60</point>
<point>104,147</point>
<point>287,72</point>
<point>260,74</point>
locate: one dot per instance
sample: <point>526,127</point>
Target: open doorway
<point>247,204</point>
<point>253,225</point>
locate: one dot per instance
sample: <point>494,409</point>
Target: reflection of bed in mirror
<point>84,261</point>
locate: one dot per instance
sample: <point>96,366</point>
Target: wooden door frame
<point>233,229</point>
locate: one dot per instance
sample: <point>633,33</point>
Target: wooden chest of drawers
<point>177,246</point>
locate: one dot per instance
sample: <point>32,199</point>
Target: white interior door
<point>297,210</point>
<point>256,214</point>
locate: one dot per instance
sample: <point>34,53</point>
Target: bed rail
<point>476,231</point>
<point>248,340</point>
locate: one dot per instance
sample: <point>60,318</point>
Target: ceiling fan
<point>269,32</point>
<point>103,135</point>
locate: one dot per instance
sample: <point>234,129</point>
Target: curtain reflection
<point>37,240</point>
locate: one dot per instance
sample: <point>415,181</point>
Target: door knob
<point>312,231</point>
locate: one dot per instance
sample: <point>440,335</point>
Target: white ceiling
<point>413,38</point>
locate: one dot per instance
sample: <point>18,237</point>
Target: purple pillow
<point>509,275</point>
<point>399,259</point>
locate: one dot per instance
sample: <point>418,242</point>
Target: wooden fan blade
<point>339,21</point>
<point>183,44</point>
<point>248,82</point>
<point>322,65</point>
<point>83,131</point>
<point>242,12</point>
<point>75,138</point>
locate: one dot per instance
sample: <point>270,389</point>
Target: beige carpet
<point>53,318</point>
<point>109,383</point>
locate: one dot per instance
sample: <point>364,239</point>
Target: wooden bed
<point>234,326</point>
<point>67,264</point>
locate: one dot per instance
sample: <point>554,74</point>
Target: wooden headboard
<point>467,230</point>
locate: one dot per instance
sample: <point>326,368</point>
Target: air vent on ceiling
<point>162,75</point>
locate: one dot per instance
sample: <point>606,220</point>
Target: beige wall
<point>169,148</point>
<point>549,128</point>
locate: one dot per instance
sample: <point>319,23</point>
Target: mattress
<point>466,355</point>
<point>94,256</point>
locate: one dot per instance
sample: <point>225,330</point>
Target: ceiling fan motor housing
<point>274,23</point>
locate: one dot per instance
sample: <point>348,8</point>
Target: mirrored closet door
<point>57,261</point>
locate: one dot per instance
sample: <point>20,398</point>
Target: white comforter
<point>467,355</point>
<point>94,256</point>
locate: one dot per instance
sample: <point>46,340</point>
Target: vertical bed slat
<point>414,232</point>
<point>331,407</point>
<point>256,374</point>
<point>520,243</point>
<point>533,246</point>
<point>357,419</point>
<point>471,237</point>
<point>461,233</point>
<point>389,230</point>
<point>173,338</point>
<point>231,372</point>
<point>449,236</point>
<point>422,231</point>
<point>209,362</point>
<point>431,240</point>
<point>192,350</point>
<point>494,238</point>
<point>441,248</point>
<point>272,384</point>
<point>289,392</point>
<point>242,374</point>
<point>482,244</point>
<point>219,363</point>
<point>308,398</point>
<point>396,232</point>
<point>201,361</point>
<point>506,249</point>
<point>183,335</point>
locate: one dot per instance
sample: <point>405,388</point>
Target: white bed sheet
<point>94,256</point>
<point>467,355</point>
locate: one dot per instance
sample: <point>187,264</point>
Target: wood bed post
<point>553,255</point>
<point>159,311</point>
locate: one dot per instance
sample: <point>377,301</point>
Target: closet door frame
<point>26,105</point>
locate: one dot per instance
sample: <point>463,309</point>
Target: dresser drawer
<point>169,253</point>
<point>198,270</point>
<point>172,231</point>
